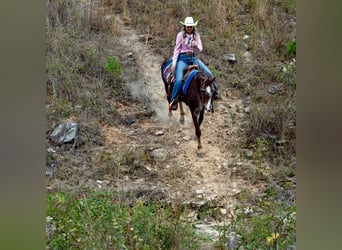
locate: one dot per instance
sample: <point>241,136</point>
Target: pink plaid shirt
<point>184,45</point>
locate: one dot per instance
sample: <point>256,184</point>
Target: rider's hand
<point>194,43</point>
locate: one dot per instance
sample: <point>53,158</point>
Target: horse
<point>198,96</point>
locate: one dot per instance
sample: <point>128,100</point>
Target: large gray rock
<point>159,154</point>
<point>230,58</point>
<point>64,133</point>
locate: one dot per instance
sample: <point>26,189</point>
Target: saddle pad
<point>188,80</point>
<point>168,76</point>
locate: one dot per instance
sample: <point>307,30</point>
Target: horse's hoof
<point>200,154</point>
<point>173,105</point>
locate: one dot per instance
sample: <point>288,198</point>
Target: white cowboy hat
<point>189,21</point>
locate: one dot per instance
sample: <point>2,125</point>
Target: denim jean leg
<point>205,68</point>
<point>181,65</point>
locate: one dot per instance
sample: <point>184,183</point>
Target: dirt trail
<point>192,177</point>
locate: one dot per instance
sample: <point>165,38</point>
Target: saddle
<point>189,69</point>
<point>171,78</point>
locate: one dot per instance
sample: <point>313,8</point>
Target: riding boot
<point>173,104</point>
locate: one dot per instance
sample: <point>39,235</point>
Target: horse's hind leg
<point>182,113</point>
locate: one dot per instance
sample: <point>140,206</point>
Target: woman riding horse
<point>197,92</point>
<point>188,42</point>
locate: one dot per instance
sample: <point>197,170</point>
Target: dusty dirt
<point>184,175</point>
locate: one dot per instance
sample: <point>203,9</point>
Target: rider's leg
<point>181,65</point>
<point>205,68</point>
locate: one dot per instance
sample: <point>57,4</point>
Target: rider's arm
<point>177,48</point>
<point>199,46</point>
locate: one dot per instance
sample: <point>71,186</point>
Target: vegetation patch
<point>269,223</point>
<point>98,219</point>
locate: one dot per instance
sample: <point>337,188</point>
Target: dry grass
<point>76,59</point>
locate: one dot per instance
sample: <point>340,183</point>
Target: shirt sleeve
<point>177,48</point>
<point>199,42</point>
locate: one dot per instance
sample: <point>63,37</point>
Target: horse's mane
<point>202,75</point>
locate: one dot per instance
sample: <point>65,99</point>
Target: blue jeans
<point>183,62</point>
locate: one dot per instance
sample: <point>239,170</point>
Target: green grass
<point>101,220</point>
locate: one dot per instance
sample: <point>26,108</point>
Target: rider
<point>188,42</point>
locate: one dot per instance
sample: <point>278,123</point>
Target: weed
<point>259,148</point>
<point>113,66</point>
